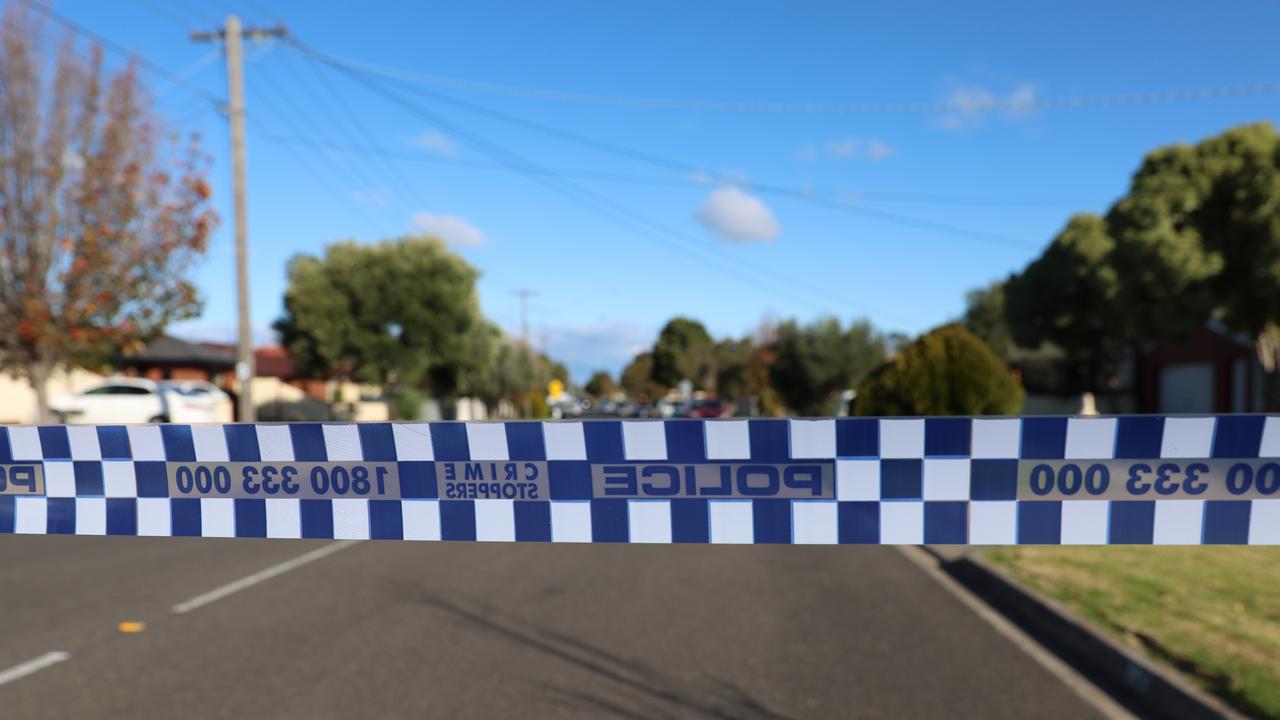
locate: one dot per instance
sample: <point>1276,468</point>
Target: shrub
<point>406,404</point>
<point>947,371</point>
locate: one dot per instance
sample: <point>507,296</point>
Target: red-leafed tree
<point>102,211</point>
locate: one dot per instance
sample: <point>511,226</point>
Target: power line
<point>581,196</point>
<point>678,165</point>
<point>964,105</point>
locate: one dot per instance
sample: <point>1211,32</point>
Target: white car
<point>137,400</point>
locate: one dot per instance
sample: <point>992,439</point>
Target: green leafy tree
<point>394,313</point>
<point>947,371</point>
<point>985,317</point>
<point>1068,296</point>
<point>600,385</point>
<point>637,379</point>
<point>813,363</point>
<point>101,215</point>
<point>684,350</point>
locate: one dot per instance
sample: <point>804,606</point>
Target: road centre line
<point>261,576</point>
<point>17,672</point>
<point>1067,675</point>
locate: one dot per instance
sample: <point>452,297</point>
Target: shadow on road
<point>655,694</point>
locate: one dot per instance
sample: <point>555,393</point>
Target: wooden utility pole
<point>230,36</point>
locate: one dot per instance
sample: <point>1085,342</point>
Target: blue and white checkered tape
<point>1034,480</point>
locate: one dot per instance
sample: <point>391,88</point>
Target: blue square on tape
<point>901,479</point>
<point>6,450</point>
<point>772,521</point>
<point>457,519</point>
<point>525,441</point>
<point>770,440</point>
<point>178,444</point>
<point>859,523</point>
<point>54,443</point>
<point>316,518</point>
<point>251,517</point>
<point>993,479</point>
<point>533,520</point>
<point>570,479</point>
<point>242,443</point>
<point>1040,522</point>
<point>122,516</point>
<point>604,440</point>
<point>947,436</point>
<point>184,517</point>
<point>1132,522</point>
<point>88,477</point>
<point>1139,437</point>
<point>308,442</point>
<point>946,523</point>
<point>1238,436</point>
<point>8,514</point>
<point>377,443</point>
<point>449,441</point>
<point>1044,438</point>
<point>113,440</point>
<point>418,480</point>
<point>61,518</point>
<point>151,477</point>
<point>386,520</point>
<point>690,520</point>
<point>857,437</point>
<point>609,521</point>
<point>1226,522</point>
<point>686,440</point>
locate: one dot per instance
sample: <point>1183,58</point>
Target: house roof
<point>167,350</point>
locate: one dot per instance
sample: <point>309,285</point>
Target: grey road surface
<point>430,630</point>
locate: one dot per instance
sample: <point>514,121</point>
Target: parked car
<point>137,400</point>
<point>710,408</point>
<point>201,401</point>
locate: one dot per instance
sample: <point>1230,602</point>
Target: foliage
<point>395,313</point>
<point>406,404</point>
<point>813,363</point>
<point>683,351</point>
<point>600,385</point>
<point>101,216</point>
<point>538,409</point>
<point>1068,297</point>
<point>637,379</point>
<point>984,316</point>
<point>947,371</point>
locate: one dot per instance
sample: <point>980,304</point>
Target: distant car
<point>137,400</point>
<point>201,401</point>
<point>671,409</point>
<point>710,408</point>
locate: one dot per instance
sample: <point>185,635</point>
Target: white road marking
<point>261,576</point>
<point>1076,682</point>
<point>17,672</point>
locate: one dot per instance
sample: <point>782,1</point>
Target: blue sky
<point>711,244</point>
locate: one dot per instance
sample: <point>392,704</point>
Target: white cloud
<point>969,107</point>
<point>595,346</point>
<point>878,149</point>
<point>453,230</point>
<point>846,148</point>
<point>437,142</point>
<point>736,216</point>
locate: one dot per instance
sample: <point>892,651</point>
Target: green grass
<point>1214,613</point>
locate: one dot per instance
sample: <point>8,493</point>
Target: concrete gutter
<point>1145,687</point>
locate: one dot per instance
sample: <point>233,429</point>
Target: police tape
<point>981,481</point>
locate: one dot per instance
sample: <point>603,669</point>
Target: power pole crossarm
<point>230,36</point>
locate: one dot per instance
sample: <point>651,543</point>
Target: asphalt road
<point>493,630</point>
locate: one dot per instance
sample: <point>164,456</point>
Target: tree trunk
<point>38,375</point>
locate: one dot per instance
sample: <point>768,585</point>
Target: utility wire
<point>673,165</point>
<point>967,105</point>
<point>584,197</point>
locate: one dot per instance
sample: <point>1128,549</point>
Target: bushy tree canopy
<point>813,363</point>
<point>684,351</point>
<point>947,371</point>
